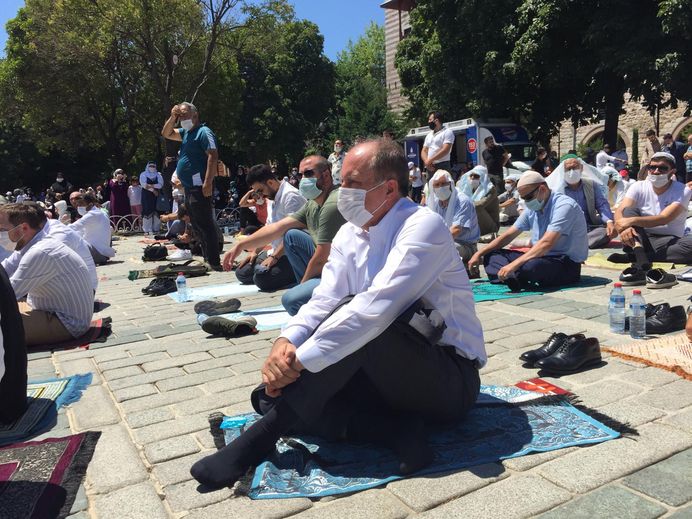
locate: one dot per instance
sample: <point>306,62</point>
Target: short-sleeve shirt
<point>493,159</point>
<point>323,221</point>
<point>651,204</point>
<point>192,162</point>
<point>435,140</point>
<point>465,217</point>
<point>563,215</point>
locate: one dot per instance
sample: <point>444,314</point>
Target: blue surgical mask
<point>535,204</point>
<point>308,188</point>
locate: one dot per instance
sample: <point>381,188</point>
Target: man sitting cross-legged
<point>558,239</point>
<point>389,341</point>
<point>53,278</point>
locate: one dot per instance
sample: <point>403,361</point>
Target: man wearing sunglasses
<point>651,219</point>
<point>558,238</point>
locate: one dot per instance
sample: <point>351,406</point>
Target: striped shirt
<point>53,278</point>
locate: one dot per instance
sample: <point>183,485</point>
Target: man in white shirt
<point>336,160</point>
<point>94,227</point>
<point>416,179</point>
<point>604,156</point>
<point>389,341</point>
<point>437,147</point>
<point>651,219</point>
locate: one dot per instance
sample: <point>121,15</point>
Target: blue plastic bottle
<point>616,309</point>
<point>637,315</point>
<point>181,285</point>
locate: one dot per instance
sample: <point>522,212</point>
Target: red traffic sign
<point>471,144</point>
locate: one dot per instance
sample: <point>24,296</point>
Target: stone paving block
<point>205,438</point>
<point>225,384</point>
<point>128,372</point>
<point>615,458</point>
<point>221,362</point>
<point>522,340</point>
<point>174,331</point>
<point>505,321</point>
<point>145,378</point>
<point>213,402</point>
<point>523,463</point>
<point>171,448</point>
<point>94,409</point>
<point>184,496</point>
<point>611,501</point>
<point>650,377</point>
<point>176,427</point>
<point>161,399</point>
<point>178,470</point>
<point>605,392</point>
<point>248,366</point>
<point>148,417</point>
<point>134,392</point>
<point>117,341</point>
<point>424,493</point>
<point>370,503</point>
<point>682,420</point>
<point>173,362</point>
<point>514,497</point>
<point>270,334</point>
<point>80,501</point>
<point>108,354</point>
<point>683,513</point>
<point>114,450</point>
<point>609,368</point>
<point>79,366</point>
<point>38,355</point>
<point>241,507</point>
<point>670,397</point>
<point>668,481</point>
<point>136,360</point>
<point>133,502</point>
<point>193,380</point>
<point>632,412</point>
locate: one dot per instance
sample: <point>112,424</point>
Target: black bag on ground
<point>190,269</point>
<point>155,252</point>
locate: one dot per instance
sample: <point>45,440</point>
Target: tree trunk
<point>613,107</point>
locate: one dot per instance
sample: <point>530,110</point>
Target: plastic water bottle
<point>616,309</point>
<point>637,315</point>
<point>181,285</point>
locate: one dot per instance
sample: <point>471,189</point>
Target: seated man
<point>594,204</point>
<point>458,212</point>
<point>53,278</point>
<point>477,186</point>
<point>268,269</point>
<point>306,253</point>
<point>339,368</point>
<point>13,360</point>
<point>651,219</point>
<point>509,201</point>
<point>95,227</point>
<point>558,238</point>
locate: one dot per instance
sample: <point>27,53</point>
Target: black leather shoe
<point>549,347</point>
<point>666,319</point>
<point>648,312</point>
<point>573,355</point>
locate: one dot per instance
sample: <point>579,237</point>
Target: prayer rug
<point>507,422</point>
<point>40,479</point>
<point>209,292</point>
<point>270,318</point>
<point>99,331</point>
<point>672,353</point>
<point>45,398</point>
<point>600,260</point>
<point>484,290</point>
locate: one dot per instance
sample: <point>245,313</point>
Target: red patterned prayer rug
<point>39,480</point>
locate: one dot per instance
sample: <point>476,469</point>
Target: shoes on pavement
<point>666,319</point>
<point>632,277</point>
<point>215,268</point>
<point>154,283</point>
<point>220,326</point>
<point>549,347</point>
<point>166,286</point>
<point>573,355</point>
<point>659,278</point>
<point>212,308</point>
<point>180,255</point>
<point>620,257</point>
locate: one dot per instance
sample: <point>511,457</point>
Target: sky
<point>338,21</point>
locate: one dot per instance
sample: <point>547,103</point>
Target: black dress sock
<point>641,259</point>
<point>225,467</point>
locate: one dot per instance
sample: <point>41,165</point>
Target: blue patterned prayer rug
<point>507,422</point>
<point>484,290</point>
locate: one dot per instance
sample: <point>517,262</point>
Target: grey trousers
<point>598,237</point>
<point>466,250</point>
<point>662,248</point>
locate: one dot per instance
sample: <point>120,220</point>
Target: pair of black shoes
<point>160,286</point>
<point>662,318</point>
<point>563,353</point>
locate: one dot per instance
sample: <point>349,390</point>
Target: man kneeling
<point>389,341</point>
<point>558,238</point>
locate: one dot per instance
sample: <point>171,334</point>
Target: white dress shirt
<point>95,229</point>
<point>407,256</point>
<point>286,202</point>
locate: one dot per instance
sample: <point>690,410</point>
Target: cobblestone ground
<point>158,377</point>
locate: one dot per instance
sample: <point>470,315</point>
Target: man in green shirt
<point>306,252</point>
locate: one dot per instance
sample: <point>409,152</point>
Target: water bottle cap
<point>618,285</point>
<point>637,292</point>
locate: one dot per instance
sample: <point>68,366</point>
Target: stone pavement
<point>159,376</point>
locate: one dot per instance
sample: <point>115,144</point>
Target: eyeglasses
<point>662,169</point>
<point>531,195</point>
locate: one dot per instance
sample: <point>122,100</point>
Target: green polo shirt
<point>323,221</point>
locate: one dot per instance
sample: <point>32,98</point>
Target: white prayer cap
<point>530,178</point>
<point>440,174</point>
<point>664,155</point>
<point>410,164</point>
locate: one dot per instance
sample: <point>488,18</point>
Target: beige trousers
<point>42,327</point>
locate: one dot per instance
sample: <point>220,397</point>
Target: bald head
<point>74,196</point>
<point>378,160</point>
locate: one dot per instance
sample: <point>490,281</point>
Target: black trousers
<point>279,276</point>
<point>200,209</point>
<point>397,373</point>
<point>546,271</point>
<point>13,401</point>
<point>659,247</point>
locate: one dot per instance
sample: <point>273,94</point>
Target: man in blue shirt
<point>197,165</point>
<point>558,239</point>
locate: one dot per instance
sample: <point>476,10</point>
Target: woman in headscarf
<point>457,210</point>
<point>476,185</point>
<point>151,181</point>
<point>120,202</point>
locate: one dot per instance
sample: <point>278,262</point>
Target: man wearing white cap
<point>558,239</point>
<point>651,220</point>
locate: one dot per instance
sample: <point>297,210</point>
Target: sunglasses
<point>531,195</point>
<point>307,173</point>
<point>662,169</point>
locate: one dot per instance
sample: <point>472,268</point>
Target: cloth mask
<point>186,124</point>
<point>337,149</point>
<point>351,205</point>
<point>573,176</point>
<point>443,193</point>
<point>308,188</point>
<point>82,210</point>
<point>509,187</point>
<point>658,180</point>
<point>431,125</point>
<point>259,201</point>
<point>474,183</point>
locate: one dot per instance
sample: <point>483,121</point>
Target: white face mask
<point>475,182</point>
<point>443,193</point>
<point>338,149</point>
<point>82,210</point>
<point>259,201</point>
<point>573,176</point>
<point>5,241</point>
<point>509,187</point>
<point>152,170</point>
<point>186,124</point>
<point>351,205</point>
<point>658,180</point>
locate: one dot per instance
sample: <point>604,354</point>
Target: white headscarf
<point>433,202</point>
<point>556,180</point>
<point>464,184</point>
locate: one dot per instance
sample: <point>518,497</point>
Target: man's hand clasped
<point>281,368</point>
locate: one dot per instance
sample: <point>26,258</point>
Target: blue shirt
<point>193,155</point>
<point>465,217</point>
<point>563,215</point>
<point>600,201</point>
